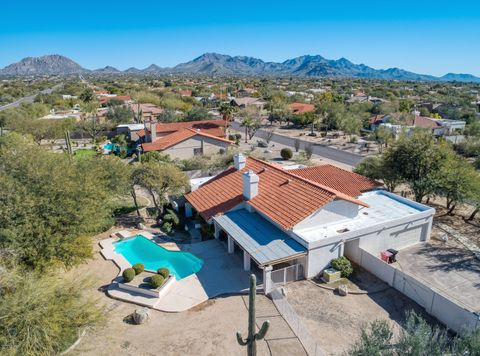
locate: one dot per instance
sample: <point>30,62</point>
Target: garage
<point>404,238</point>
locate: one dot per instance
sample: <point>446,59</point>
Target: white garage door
<point>402,239</point>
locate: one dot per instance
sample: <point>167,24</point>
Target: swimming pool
<point>109,146</point>
<point>139,249</point>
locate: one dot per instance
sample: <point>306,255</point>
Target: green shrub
<point>343,265</point>
<point>128,275</point>
<point>138,268</point>
<point>286,153</point>
<point>171,217</point>
<point>164,272</point>
<point>156,281</point>
<point>167,227</point>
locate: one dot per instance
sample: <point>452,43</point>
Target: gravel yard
<point>336,321</point>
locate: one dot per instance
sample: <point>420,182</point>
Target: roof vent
<point>263,170</point>
<point>286,182</point>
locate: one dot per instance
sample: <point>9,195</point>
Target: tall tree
<point>419,161</point>
<point>161,180</point>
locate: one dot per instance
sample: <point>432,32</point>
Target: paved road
<point>334,154</point>
<point>30,98</point>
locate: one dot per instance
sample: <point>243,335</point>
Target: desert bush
<point>42,313</point>
<point>164,272</point>
<point>156,281</point>
<point>128,275</point>
<point>308,151</point>
<point>296,144</point>
<point>286,153</point>
<point>171,217</point>
<point>167,227</point>
<point>343,265</point>
<point>138,268</point>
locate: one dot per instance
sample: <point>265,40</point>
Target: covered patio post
<point>217,231</point>
<point>230,244</point>
<point>246,261</point>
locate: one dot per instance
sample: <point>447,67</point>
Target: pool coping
<point>186,293</point>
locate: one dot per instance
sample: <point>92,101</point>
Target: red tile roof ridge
<point>335,192</point>
<point>199,132</point>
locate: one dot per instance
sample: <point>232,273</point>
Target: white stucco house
<point>305,216</point>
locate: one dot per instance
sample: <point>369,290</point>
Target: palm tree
<point>227,111</point>
<point>248,123</point>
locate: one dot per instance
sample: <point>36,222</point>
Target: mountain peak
<point>48,64</point>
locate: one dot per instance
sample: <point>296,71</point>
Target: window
<point>197,151</point>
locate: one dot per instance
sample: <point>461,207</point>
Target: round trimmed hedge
<point>286,153</point>
<point>156,281</point>
<point>128,275</point>
<point>138,267</point>
<point>343,265</point>
<point>164,272</point>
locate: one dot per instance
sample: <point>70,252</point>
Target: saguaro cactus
<point>251,340</point>
<point>68,142</point>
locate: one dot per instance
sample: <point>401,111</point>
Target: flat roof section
<point>383,207</point>
<point>263,241</point>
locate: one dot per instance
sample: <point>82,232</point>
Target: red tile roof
<point>211,127</point>
<point>423,122</point>
<point>165,142</point>
<point>185,92</point>
<point>349,183</point>
<point>106,99</point>
<point>300,108</point>
<point>284,197</point>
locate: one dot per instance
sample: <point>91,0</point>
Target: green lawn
<point>85,153</point>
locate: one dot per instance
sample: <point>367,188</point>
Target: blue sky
<point>432,37</point>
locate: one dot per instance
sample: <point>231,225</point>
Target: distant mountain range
<point>224,65</point>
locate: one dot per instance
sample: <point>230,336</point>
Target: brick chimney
<point>239,161</point>
<point>153,131</point>
<point>250,184</point>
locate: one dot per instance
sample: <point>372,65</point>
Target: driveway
<point>446,266</point>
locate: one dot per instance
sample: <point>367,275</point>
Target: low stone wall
<point>156,293</point>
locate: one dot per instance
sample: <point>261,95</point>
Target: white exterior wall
<point>336,210</point>
<point>185,149</point>
<point>445,309</point>
<point>319,258</point>
<point>397,237</point>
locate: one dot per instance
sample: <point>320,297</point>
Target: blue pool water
<point>108,146</point>
<point>139,249</point>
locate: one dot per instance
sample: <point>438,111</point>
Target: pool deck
<point>221,274</point>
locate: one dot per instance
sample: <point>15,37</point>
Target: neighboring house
<point>450,129</point>
<point>185,140</point>
<point>147,111</point>
<point>242,103</point>
<point>431,107</point>
<point>185,92</point>
<point>364,99</point>
<point>300,108</point>
<point>131,131</point>
<point>103,100</point>
<point>211,127</point>
<point>305,216</point>
<point>245,92</point>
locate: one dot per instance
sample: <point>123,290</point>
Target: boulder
<point>140,226</point>
<point>141,316</point>
<point>342,290</point>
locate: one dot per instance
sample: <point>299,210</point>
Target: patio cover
<point>263,241</point>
